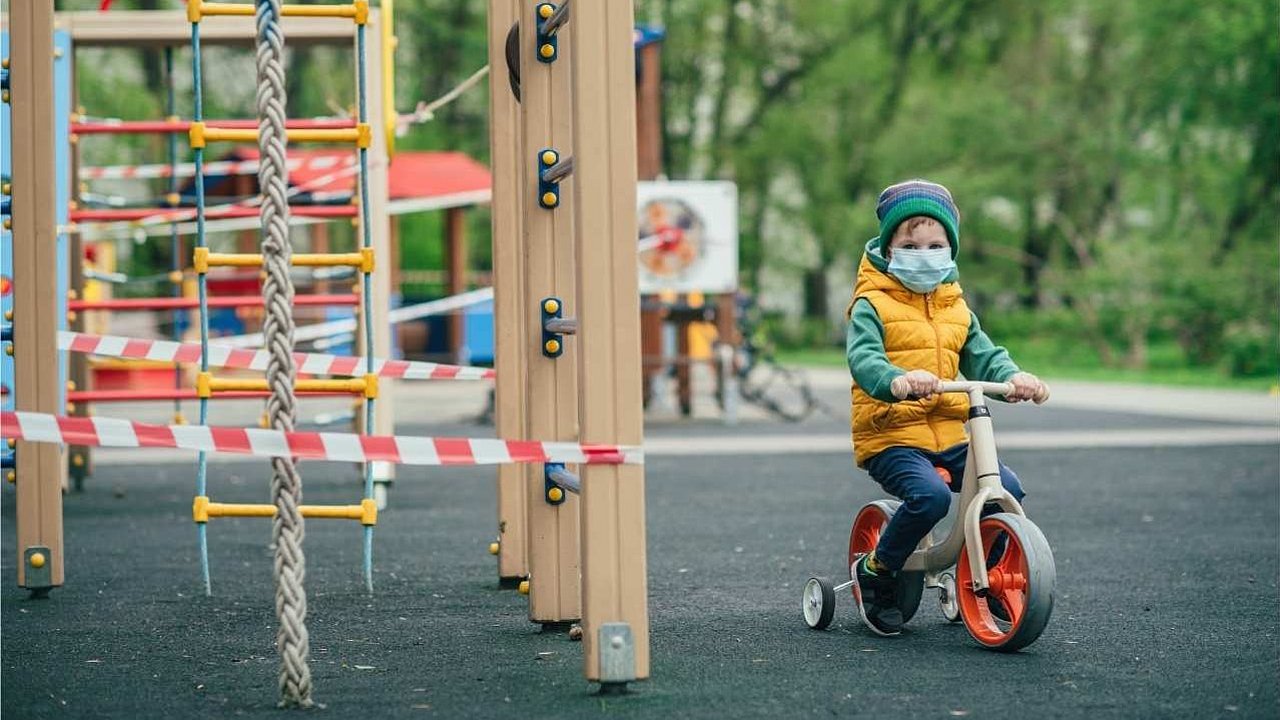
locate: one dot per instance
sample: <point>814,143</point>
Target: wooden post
<point>649,113</point>
<point>41,467</point>
<point>684,374</point>
<point>651,321</point>
<point>649,166</point>
<point>379,165</point>
<point>553,530</point>
<point>614,582</point>
<point>455,235</point>
<point>510,314</point>
<point>79,376</point>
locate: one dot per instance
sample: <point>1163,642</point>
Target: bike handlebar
<point>988,388</point>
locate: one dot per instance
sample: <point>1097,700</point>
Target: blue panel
<point>6,245</point>
<point>61,175</point>
<point>477,343</point>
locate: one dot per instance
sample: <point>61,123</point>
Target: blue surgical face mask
<point>921,270</point>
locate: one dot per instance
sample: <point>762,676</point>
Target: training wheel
<point>819,603</point>
<point>947,599</point>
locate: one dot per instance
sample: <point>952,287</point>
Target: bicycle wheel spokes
<point>1008,580</point>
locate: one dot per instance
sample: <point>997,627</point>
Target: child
<point>909,330</point>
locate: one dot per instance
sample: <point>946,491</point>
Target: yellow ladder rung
<point>366,512</point>
<point>367,385</point>
<point>362,260</point>
<point>200,135</point>
<point>357,11</point>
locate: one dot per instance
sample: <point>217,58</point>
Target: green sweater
<point>980,359</point>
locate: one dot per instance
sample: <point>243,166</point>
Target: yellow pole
<point>389,41</point>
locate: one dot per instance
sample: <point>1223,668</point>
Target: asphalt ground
<point>1168,563</point>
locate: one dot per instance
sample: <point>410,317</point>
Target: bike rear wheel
<point>868,525</point>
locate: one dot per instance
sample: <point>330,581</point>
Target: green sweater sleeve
<point>983,360</point>
<point>864,349</point>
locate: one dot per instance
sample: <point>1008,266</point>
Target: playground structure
<point>360,134</point>
<point>568,252</point>
<point>415,182</point>
<point>669,321</point>
<point>163,31</point>
<point>557,251</point>
<point>34,310</point>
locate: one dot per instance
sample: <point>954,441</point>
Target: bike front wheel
<point>1021,580</point>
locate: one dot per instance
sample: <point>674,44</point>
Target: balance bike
<point>1021,580</point>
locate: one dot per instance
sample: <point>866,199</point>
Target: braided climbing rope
<point>287,529</point>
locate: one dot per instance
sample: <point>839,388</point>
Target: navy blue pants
<point>908,474</point>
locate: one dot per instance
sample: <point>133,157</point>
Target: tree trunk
<point>152,59</point>
<point>753,251</point>
<point>1136,357</point>
<point>728,76</point>
<point>1035,254</point>
<point>815,292</point>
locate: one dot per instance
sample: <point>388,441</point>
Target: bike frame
<point>981,485</point>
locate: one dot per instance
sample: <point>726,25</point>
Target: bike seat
<point>943,473</point>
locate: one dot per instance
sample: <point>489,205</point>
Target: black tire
<point>947,600</point>
<point>910,592</point>
<point>1037,594</point>
<point>818,603</point>
<point>910,583</point>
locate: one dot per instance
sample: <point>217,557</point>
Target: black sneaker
<point>997,608</point>
<point>877,599</point>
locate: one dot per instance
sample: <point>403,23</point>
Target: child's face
<point>918,233</point>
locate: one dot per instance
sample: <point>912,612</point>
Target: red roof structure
<point>414,175</point>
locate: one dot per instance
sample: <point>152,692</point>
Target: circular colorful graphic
<point>672,237</point>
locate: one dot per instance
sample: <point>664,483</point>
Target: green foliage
<point>1117,166</point>
<point>1116,162</point>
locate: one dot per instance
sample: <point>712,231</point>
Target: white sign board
<point>688,236</point>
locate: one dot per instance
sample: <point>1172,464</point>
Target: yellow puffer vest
<point>921,332</point>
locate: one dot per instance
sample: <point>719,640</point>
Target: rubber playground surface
<point>1167,568</point>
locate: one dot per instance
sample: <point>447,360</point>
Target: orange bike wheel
<point>868,524</point>
<point>1022,580</point>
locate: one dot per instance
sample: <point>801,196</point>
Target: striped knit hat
<point>917,197</point>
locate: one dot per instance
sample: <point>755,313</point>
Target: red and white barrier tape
<point>336,447</point>
<point>220,167</point>
<point>229,357</point>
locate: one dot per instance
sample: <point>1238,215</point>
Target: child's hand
<point>1028,387</point>
<point>915,384</point>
